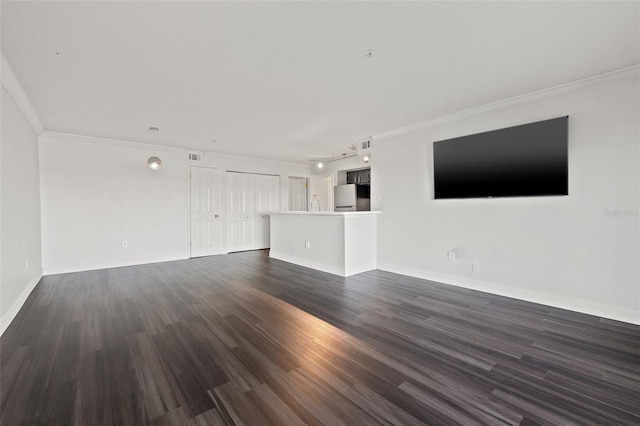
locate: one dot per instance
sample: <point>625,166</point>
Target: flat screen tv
<point>521,161</point>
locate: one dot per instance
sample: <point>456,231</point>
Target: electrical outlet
<point>307,244</point>
<point>475,268</point>
<point>125,244</point>
<point>451,255</point>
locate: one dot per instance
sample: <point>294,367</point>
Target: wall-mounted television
<point>521,161</point>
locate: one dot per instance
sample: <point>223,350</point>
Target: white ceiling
<point>291,80</point>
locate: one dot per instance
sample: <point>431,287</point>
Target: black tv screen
<point>520,161</point>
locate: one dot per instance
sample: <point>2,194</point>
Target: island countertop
<point>361,213</point>
<point>341,243</point>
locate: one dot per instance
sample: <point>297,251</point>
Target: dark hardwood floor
<point>243,339</point>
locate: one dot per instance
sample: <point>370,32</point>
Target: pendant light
<point>154,162</point>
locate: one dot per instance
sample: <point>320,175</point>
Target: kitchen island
<point>341,243</point>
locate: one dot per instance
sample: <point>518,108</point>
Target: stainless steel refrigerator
<point>351,198</point>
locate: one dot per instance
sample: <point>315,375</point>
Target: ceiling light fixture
<point>366,159</point>
<point>154,163</point>
<point>319,162</point>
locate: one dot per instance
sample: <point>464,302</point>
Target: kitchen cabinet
<point>359,177</point>
<point>364,177</point>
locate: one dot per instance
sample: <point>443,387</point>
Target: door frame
<point>191,166</point>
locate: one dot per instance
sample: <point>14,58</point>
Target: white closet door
<point>267,201</point>
<point>242,216</point>
<point>205,222</point>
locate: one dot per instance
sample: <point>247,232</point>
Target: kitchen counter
<point>327,213</point>
<point>341,243</point>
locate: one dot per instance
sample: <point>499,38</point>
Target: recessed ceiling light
<point>370,53</point>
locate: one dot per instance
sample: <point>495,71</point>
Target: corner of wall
<point>17,304</point>
<point>14,88</point>
<point>22,205</point>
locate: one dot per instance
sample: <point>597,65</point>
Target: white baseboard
<point>15,308</point>
<point>571,304</point>
<point>324,267</point>
<point>359,269</point>
<point>64,269</point>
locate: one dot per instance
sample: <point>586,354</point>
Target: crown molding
<point>224,156</point>
<point>145,145</point>
<point>625,74</point>
<point>11,83</point>
<point>107,141</point>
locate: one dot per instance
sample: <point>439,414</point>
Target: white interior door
<point>242,216</point>
<point>298,194</point>
<point>205,218</point>
<point>267,201</point>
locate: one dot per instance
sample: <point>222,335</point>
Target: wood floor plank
<point>94,386</point>
<point>276,411</point>
<point>236,407</point>
<point>244,339</point>
<point>188,385</point>
<point>152,375</point>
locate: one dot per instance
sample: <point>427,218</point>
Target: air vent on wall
<point>194,157</point>
<point>363,146</point>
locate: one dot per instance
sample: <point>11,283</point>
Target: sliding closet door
<point>242,216</point>
<point>267,201</point>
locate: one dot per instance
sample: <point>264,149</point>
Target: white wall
<point>322,188</point>
<point>97,193</point>
<point>20,210</point>
<point>560,251</point>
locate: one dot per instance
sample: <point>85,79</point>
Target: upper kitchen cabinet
<point>359,177</point>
